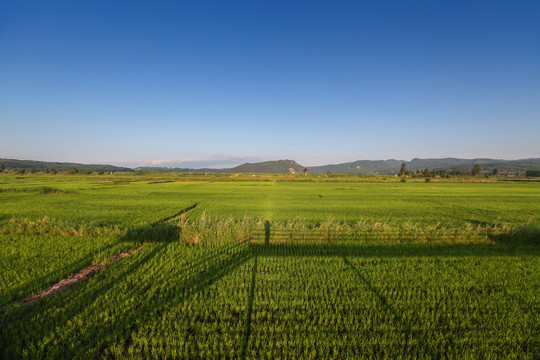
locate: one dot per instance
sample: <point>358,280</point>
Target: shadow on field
<point>163,232</point>
<point>247,324</point>
<point>524,235</point>
<point>408,333</point>
<point>96,316</point>
<point>128,310</point>
<point>36,284</point>
<point>389,251</point>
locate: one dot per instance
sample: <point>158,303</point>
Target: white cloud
<point>217,161</point>
<point>159,162</point>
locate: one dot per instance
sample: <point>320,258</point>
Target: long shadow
<point>21,291</point>
<point>160,232</point>
<point>157,233</point>
<point>527,236</point>
<point>267,228</point>
<point>525,306</point>
<point>78,299</point>
<point>392,251</point>
<point>247,326</point>
<point>410,333</point>
<point>194,277</point>
<point>208,271</point>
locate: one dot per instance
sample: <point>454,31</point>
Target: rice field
<point>270,267</point>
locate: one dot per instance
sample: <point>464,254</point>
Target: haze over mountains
<point>364,167</point>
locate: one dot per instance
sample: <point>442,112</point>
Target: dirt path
<point>79,277</point>
<point>82,275</point>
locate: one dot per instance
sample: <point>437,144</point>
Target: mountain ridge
<point>366,167</point>
<point>265,167</point>
<point>360,167</point>
<point>13,164</point>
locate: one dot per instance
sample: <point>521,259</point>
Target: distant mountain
<point>364,167</point>
<point>519,166</point>
<point>447,163</point>
<point>11,164</point>
<point>270,167</point>
<point>359,167</point>
<point>386,167</point>
<point>265,167</point>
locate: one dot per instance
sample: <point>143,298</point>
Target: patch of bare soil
<point>79,277</point>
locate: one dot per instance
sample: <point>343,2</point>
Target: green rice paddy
<point>270,267</point>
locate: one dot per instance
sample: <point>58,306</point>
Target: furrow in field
<point>84,274</point>
<point>79,277</point>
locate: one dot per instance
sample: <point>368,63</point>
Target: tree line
<point>427,173</point>
<point>22,171</point>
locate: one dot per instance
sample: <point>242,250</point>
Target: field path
<point>81,276</point>
<point>84,274</point>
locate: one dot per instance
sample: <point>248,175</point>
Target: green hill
<point>270,167</point>
<point>386,167</point>
<point>13,164</point>
<point>265,167</point>
<point>514,166</point>
<point>447,163</point>
<point>363,167</point>
<point>359,167</point>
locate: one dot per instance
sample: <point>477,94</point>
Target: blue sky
<point>218,83</point>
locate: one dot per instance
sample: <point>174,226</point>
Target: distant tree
<point>495,172</point>
<point>305,171</point>
<point>476,170</point>
<point>328,173</point>
<point>532,173</point>
<point>426,172</point>
<point>2,167</point>
<point>403,170</point>
<point>33,170</point>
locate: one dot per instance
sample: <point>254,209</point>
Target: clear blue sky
<point>217,83</point>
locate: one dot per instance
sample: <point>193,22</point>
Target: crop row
<point>235,300</point>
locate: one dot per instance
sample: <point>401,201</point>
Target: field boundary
<point>79,277</point>
<point>84,274</point>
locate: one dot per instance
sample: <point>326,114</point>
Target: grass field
<point>270,267</point>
